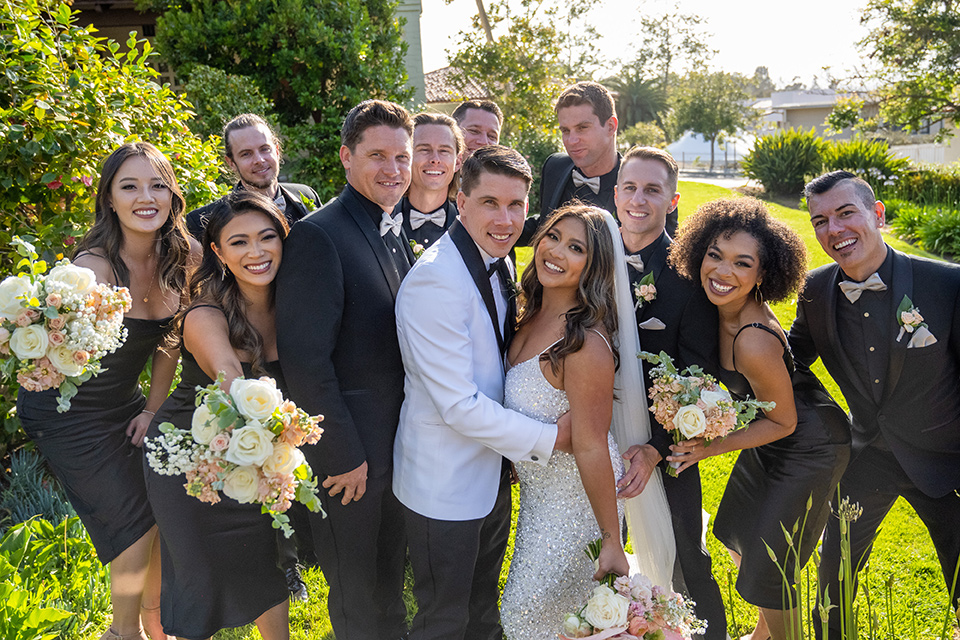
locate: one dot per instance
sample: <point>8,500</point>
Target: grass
<point>903,554</point>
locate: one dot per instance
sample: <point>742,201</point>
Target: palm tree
<point>639,99</point>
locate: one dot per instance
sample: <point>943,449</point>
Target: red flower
<point>55,184</point>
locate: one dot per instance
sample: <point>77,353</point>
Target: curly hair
<point>596,306</point>
<point>213,284</point>
<point>782,254</point>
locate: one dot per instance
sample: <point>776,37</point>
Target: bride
<point>566,356</point>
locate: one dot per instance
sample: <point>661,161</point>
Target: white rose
<point>690,420</point>
<point>284,459</point>
<point>69,277</point>
<point>29,342</point>
<point>13,291</point>
<point>249,445</point>
<point>62,358</point>
<point>606,608</point>
<point>571,626</point>
<point>203,425</point>
<point>242,484</point>
<point>256,398</point>
<point>712,398</point>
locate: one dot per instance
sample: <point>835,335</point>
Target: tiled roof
<point>440,87</point>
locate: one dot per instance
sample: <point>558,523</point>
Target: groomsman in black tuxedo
<point>679,320</point>
<point>337,340</point>
<point>900,374</point>
<point>480,121</point>
<point>252,151</point>
<point>588,170</point>
<point>428,209</point>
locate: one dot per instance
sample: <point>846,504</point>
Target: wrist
<point>147,411</point>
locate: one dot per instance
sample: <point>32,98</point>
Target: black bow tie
<point>492,269</point>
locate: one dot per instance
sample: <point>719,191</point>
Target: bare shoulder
<point>204,323</point>
<point>99,264</point>
<point>593,358</point>
<point>757,350</point>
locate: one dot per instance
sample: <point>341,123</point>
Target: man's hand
<point>564,441</point>
<point>352,483</point>
<point>641,459</point>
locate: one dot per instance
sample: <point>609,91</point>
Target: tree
<point>671,39</point>
<point>218,97</point>
<point>314,59</point>
<point>712,104</point>
<point>639,98</point>
<point>916,44</point>
<point>67,99</point>
<point>760,85</point>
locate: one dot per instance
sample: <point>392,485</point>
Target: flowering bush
<point>632,609</point>
<point>244,443</point>
<point>54,329</point>
<point>691,403</point>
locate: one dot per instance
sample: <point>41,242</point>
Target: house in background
<point>443,95</point>
<point>117,19</point>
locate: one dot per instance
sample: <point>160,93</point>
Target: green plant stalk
<point>950,611</point>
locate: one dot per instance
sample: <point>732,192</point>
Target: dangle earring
<point>757,294</point>
<point>223,272</point>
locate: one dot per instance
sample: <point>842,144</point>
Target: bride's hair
<point>596,306</point>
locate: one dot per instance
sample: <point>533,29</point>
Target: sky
<point>795,39</point>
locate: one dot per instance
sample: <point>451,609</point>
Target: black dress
<point>772,483</point>
<point>218,561</point>
<point>88,449</point>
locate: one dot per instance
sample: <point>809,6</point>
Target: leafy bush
<point>905,218</point>
<point>646,134</point>
<point>218,97</point>
<point>869,159</point>
<point>51,576</point>
<point>931,184</point>
<point>67,99</point>
<point>30,492</point>
<point>940,232</point>
<point>783,161</point>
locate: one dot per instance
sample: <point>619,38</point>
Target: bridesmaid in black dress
<point>220,561</point>
<point>797,451</point>
<point>138,240</point>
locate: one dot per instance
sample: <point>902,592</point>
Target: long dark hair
<point>213,284</point>
<point>596,306</point>
<point>105,237</point>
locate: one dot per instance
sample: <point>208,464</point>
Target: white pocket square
<point>653,323</point>
<point>921,338</point>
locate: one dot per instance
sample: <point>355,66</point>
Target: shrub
<point>869,159</point>
<point>940,232</point>
<point>218,97</point>
<point>646,134</point>
<point>51,568</point>
<point>931,184</point>
<point>783,161</point>
<point>67,99</point>
<point>31,492</point>
<point>905,218</point>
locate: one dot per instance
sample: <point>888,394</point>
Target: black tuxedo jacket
<point>337,335</point>
<point>691,332</point>
<point>919,411</point>
<point>554,175</point>
<point>292,193</point>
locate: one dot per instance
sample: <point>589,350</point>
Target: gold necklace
<point>156,276</point>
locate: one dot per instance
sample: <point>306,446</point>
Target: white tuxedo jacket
<point>454,431</point>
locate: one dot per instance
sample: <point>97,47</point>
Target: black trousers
<point>693,572</point>
<point>875,480</point>
<point>362,550</point>
<point>456,572</point>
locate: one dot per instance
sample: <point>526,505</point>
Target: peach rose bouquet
<point>692,404</point>
<point>55,327</point>
<point>244,442</point>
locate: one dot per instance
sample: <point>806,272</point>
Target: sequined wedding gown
<point>550,575</point>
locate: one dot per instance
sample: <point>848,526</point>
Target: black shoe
<point>296,585</point>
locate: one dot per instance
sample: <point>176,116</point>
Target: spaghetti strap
<point>757,325</point>
<point>602,337</point>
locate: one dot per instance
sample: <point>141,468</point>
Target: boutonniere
<point>908,317</point>
<point>645,291</point>
<point>417,249</point>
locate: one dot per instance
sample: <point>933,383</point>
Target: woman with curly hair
<point>138,240</point>
<point>564,357</point>
<point>792,456</point>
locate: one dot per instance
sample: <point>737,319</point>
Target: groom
<point>455,317</point>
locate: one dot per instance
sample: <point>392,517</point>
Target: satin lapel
<point>471,258</point>
<point>372,234</point>
<point>657,263</point>
<point>452,213</point>
<point>507,279</point>
<point>566,166</point>
<point>902,285</point>
<point>830,294</point>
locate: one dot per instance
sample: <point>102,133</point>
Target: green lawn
<point>903,556</point>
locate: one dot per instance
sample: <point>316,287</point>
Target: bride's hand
<point>612,559</point>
